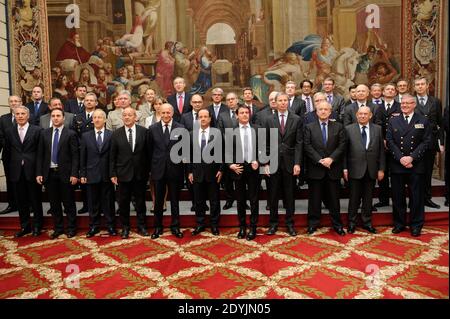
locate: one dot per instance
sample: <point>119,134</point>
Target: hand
<point>442,148</point>
<point>267,170</point>
<point>73,180</point>
<point>326,162</point>
<point>237,168</point>
<point>191,178</point>
<point>39,179</point>
<point>380,175</point>
<point>255,165</point>
<point>114,181</point>
<point>83,180</point>
<point>345,173</point>
<point>297,170</point>
<point>385,145</point>
<point>406,161</point>
<point>219,177</point>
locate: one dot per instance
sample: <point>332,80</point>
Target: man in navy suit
<point>217,106</point>
<point>94,172</point>
<point>181,100</point>
<point>76,105</point>
<point>408,138</point>
<point>37,106</point>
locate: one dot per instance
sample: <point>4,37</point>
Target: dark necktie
<point>282,124</point>
<point>196,116</point>
<point>308,104</point>
<point>80,106</point>
<point>330,99</point>
<point>99,140</point>
<point>324,133</point>
<point>407,119</point>
<point>88,117</point>
<point>364,136</point>
<point>166,134</point>
<point>55,146</point>
<point>203,144</point>
<point>36,108</point>
<point>130,138</point>
<point>422,101</point>
<point>388,107</point>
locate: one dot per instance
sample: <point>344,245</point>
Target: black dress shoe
<point>37,232</point>
<point>267,207</point>
<point>430,203</point>
<point>177,233</point>
<point>92,232</point>
<point>228,205</point>
<point>291,231</point>
<point>192,209</point>
<point>381,204</point>
<point>49,212</point>
<point>446,203</point>
<point>71,234</point>
<point>252,233</point>
<point>83,210</point>
<point>247,206</point>
<point>198,230</point>
<point>415,232</point>
<point>370,229</point>
<point>340,231</point>
<point>242,233</point>
<point>22,232</point>
<point>215,231</point>
<point>206,208</point>
<point>351,229</point>
<point>8,210</point>
<point>157,232</point>
<point>112,231</point>
<point>398,230</point>
<point>143,232</point>
<point>125,233</point>
<point>311,230</point>
<point>56,234</point>
<point>272,230</point>
<point>374,209</point>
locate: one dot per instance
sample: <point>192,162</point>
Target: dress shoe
<point>92,232</point>
<point>430,203</point>
<point>228,205</point>
<point>415,232</point>
<point>374,209</point>
<point>22,232</point>
<point>37,232</point>
<point>398,230</point>
<point>8,210</point>
<point>381,204</point>
<point>272,230</point>
<point>157,232</point>
<point>247,206</point>
<point>311,230</point>
<point>192,209</point>
<point>112,231</point>
<point>215,231</point>
<point>206,208</point>
<point>446,203</point>
<point>83,210</point>
<point>291,231</point>
<point>49,212</point>
<point>351,229</point>
<point>370,229</point>
<point>242,233</point>
<point>198,230</point>
<point>252,233</point>
<point>177,233</point>
<point>56,234</point>
<point>267,207</point>
<point>340,231</point>
<point>71,234</point>
<point>143,232</point>
<point>125,233</point>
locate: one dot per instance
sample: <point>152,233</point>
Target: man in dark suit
<point>205,177</point>
<point>290,145</point>
<point>217,106</point>
<point>164,172</point>
<point>296,104</point>
<point>403,87</point>
<point>37,106</point>
<point>7,121</point>
<point>325,145</point>
<point>431,108</point>
<point>408,138</point>
<point>94,172</point>
<point>128,170</point>
<point>57,167</point>
<point>244,169</point>
<point>307,95</point>
<point>181,100</point>
<point>76,105</point>
<point>249,99</point>
<point>364,163</point>
<point>336,100</point>
<point>362,95</point>
<point>227,119</point>
<point>22,144</point>
<point>312,116</point>
<point>352,95</point>
<point>388,109</point>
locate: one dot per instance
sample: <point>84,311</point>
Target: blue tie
<point>55,146</point>
<point>324,133</point>
<point>99,140</point>
<point>364,136</point>
<point>203,141</point>
<point>36,108</point>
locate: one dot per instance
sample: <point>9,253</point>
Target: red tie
<point>282,124</point>
<point>180,104</point>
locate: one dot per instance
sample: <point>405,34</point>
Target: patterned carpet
<point>207,267</point>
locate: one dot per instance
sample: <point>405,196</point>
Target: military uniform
<point>413,140</point>
<point>82,124</point>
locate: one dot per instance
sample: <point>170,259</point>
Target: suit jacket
<point>124,163</point>
<point>34,118</point>
<point>94,162</point>
<point>25,152</point>
<point>433,112</point>
<point>45,120</point>
<point>72,106</point>
<point>350,112</point>
<point>254,112</point>
<point>408,140</point>
<point>6,122</point>
<point>225,121</point>
<point>205,172</point>
<point>214,119</point>
<point>338,106</point>
<point>312,117</point>
<point>298,106</point>
<point>290,145</point>
<point>68,154</point>
<point>262,116</point>
<point>187,120</point>
<point>161,165</point>
<point>382,117</point>
<point>358,159</point>
<point>172,99</point>
<point>81,124</point>
<point>315,150</point>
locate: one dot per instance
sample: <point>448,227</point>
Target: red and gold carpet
<point>320,266</point>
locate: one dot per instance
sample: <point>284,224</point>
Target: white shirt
<point>169,126</point>
<point>101,135</point>
<point>242,132</point>
<point>232,113</point>
<point>89,114</point>
<point>363,103</point>
<point>367,133</point>
<point>425,99</point>
<point>206,130</point>
<point>79,101</point>
<point>291,100</point>
<point>409,117</point>
<point>133,134</point>
<point>216,109</point>
<point>388,102</point>
<point>60,129</point>
<point>23,128</point>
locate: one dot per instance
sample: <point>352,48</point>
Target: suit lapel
<point>372,135</point>
<point>62,137</point>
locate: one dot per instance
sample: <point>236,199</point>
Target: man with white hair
<point>217,107</point>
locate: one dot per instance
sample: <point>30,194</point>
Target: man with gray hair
<point>217,107</point>
<point>115,120</point>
